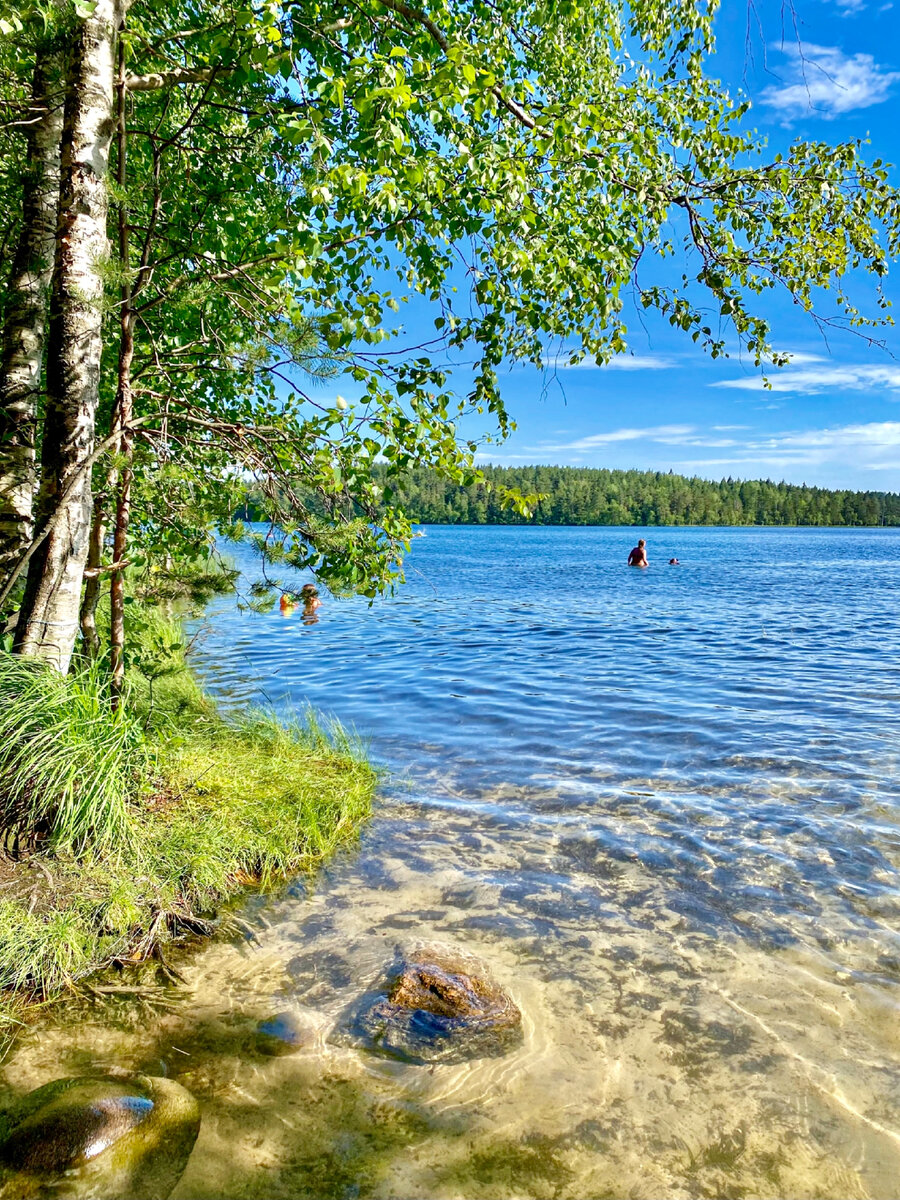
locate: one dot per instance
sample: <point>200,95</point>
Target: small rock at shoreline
<point>440,1005</point>
<point>102,1138</point>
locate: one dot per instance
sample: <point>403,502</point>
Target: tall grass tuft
<point>68,764</point>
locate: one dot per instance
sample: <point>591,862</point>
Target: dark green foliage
<point>589,496</point>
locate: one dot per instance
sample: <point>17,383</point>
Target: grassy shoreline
<point>133,829</point>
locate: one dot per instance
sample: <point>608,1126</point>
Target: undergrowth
<point>127,830</point>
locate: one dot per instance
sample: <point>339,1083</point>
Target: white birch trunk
<point>48,620</point>
<point>25,324</point>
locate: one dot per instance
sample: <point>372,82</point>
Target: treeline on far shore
<point>596,496</point>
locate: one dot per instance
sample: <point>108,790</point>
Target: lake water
<point>662,805</point>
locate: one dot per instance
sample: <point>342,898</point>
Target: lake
<point>662,805</point>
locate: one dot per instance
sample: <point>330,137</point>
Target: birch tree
<point>48,621</point>
<point>25,310</point>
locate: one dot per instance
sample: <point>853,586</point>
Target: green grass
<point>302,792</point>
<point>191,809</point>
<point>68,763</point>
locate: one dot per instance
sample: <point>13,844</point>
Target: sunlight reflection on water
<point>661,805</point>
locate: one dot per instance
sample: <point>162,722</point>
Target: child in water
<point>310,597</point>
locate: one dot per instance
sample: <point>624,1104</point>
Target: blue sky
<point>833,416</point>
<point>827,70</point>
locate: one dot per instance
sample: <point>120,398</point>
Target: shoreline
<point>223,807</point>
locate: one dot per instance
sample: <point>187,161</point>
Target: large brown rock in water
<point>440,1005</point>
<point>100,1138</point>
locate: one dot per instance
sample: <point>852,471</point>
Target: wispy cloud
<point>491,456</point>
<point>829,452</point>
<point>800,358</point>
<point>812,380</point>
<point>825,81</point>
<point>654,433</point>
<point>850,8</point>
<point>639,362</point>
<point>622,362</point>
<point>665,435</point>
<point>872,446</point>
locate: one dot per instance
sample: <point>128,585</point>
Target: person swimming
<point>638,556</point>
<point>311,602</point>
<point>308,597</point>
<point>673,562</point>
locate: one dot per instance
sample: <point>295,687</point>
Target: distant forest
<point>591,496</point>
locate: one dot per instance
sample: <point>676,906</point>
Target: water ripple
<point>662,804</point>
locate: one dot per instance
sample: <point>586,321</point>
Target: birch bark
<point>124,410</point>
<point>48,620</point>
<point>25,325</point>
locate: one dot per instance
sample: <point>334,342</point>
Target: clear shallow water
<point>662,805</point>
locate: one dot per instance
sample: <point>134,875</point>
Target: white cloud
<point>873,446</point>
<point>825,81</point>
<point>638,362</point>
<point>621,362</point>
<point>872,434</point>
<point>829,453</point>
<point>799,358</point>
<point>665,435</point>
<point>489,456</point>
<point>656,433</point>
<point>819,379</point>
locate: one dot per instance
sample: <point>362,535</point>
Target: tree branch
<point>415,17</point>
<point>74,482</point>
<point>157,80</point>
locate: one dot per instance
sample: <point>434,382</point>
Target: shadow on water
<point>313,1135</point>
<point>304,1133</point>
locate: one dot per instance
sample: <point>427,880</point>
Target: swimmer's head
<point>308,592</point>
<point>641,542</point>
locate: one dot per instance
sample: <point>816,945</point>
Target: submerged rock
<point>74,1125</point>
<point>317,976</point>
<point>440,1005</point>
<point>282,1034</point>
<point>99,1138</point>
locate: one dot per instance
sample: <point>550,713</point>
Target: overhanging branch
<point>157,80</point>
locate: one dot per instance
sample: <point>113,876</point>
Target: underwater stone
<point>282,1034</point>
<point>101,1138</point>
<point>74,1126</point>
<point>440,1005</point>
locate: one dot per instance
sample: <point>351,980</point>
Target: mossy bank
<point>124,830</point>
